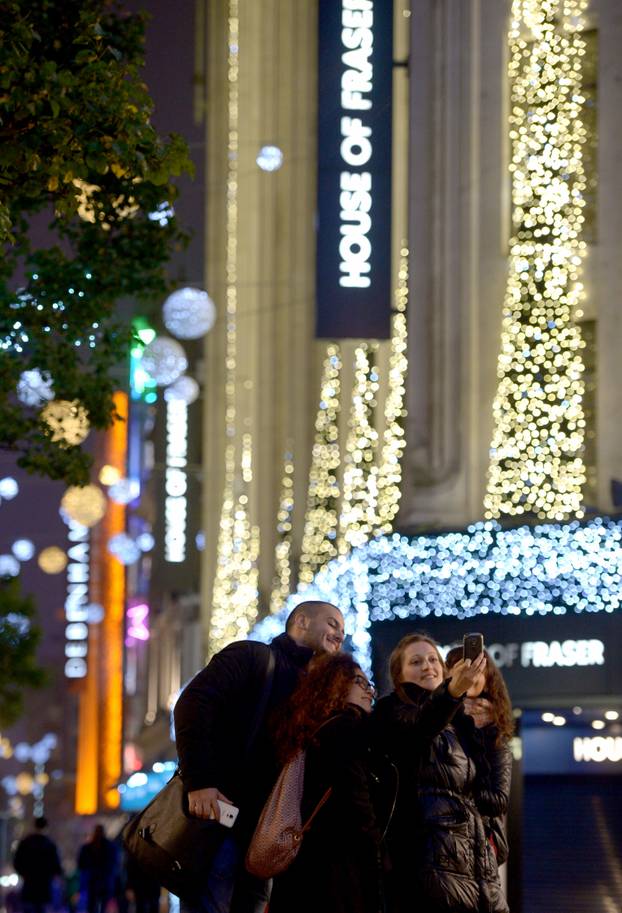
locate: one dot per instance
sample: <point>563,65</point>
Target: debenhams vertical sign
<point>354,160</point>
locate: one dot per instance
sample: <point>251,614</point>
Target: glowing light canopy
<point>545,569</point>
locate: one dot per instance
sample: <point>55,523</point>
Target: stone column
<point>459,225</point>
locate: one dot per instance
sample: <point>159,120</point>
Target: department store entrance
<point>565,679</point>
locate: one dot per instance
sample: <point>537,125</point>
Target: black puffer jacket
<point>442,859</point>
<point>493,794</point>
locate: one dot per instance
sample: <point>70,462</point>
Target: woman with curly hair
<point>488,703</point>
<point>442,860</point>
<point>339,866</point>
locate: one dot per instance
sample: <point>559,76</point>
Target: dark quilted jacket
<point>442,859</point>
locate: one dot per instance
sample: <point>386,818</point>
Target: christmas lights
<point>532,570</point>
<point>357,517</point>
<point>390,465</point>
<point>536,463</point>
<point>320,528</point>
<point>282,584</point>
<point>235,592</point>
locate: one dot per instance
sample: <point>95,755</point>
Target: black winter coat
<point>214,716</point>
<point>493,796</point>
<point>442,859</point>
<point>36,861</point>
<point>339,868</point>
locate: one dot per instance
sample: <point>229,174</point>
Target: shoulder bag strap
<point>260,711</point>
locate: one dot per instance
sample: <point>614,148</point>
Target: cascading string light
<point>282,580</point>
<point>320,527</point>
<point>390,464</point>
<point>358,517</point>
<point>550,569</point>
<point>536,464</point>
<point>235,594</point>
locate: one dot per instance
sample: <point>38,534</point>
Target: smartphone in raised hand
<point>472,646</point>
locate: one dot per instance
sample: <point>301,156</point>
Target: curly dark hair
<point>496,691</point>
<point>322,692</point>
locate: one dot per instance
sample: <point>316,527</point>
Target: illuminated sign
<point>597,748</point>
<point>175,481</point>
<point>354,160</point>
<point>77,601</point>
<point>543,655</point>
<point>137,622</point>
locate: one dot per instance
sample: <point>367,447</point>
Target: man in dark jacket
<point>214,717</point>
<point>36,861</point>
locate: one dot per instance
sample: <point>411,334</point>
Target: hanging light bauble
<point>23,549</point>
<point>185,389</point>
<point>67,420</point>
<point>52,560</point>
<point>124,490</point>
<point>9,488</point>
<point>9,566</point>
<point>94,613</point>
<point>189,313</point>
<point>34,387</point>
<point>164,360</point>
<point>85,505</point>
<point>108,475</point>
<point>124,548</point>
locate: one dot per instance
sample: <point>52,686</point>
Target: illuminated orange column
<point>100,714</point>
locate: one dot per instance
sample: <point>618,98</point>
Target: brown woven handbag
<point>279,832</point>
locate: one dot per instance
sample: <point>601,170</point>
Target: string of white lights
<point>536,463</point>
<point>320,528</point>
<point>282,580</point>
<point>235,592</point>
<point>393,443</point>
<point>358,518</point>
<point>548,569</point>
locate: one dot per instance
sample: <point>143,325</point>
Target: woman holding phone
<point>488,703</point>
<point>441,857</point>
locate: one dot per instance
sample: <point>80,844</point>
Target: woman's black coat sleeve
<point>492,787</point>
<point>405,727</point>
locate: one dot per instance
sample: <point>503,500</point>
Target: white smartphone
<point>228,813</point>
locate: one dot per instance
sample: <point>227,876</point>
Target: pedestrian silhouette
<point>36,861</point>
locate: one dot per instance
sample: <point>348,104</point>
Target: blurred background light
<point>9,566</point>
<point>124,548</point>
<point>124,491</point>
<point>269,158</point>
<point>23,549</point>
<point>52,560</point>
<point>9,488</point>
<point>86,505</point>
<point>34,388</point>
<point>184,389</point>
<point>67,420</point>
<point>164,360</point>
<point>189,313</point>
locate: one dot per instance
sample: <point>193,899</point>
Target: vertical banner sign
<point>353,275</point>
